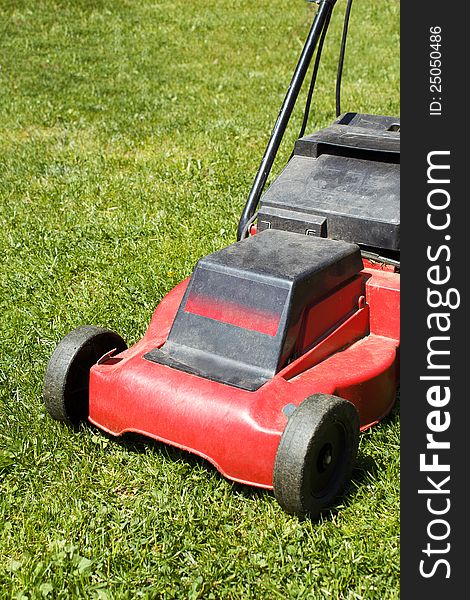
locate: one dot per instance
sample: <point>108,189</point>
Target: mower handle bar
<point>320,21</point>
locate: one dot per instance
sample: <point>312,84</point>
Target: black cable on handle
<point>341,57</point>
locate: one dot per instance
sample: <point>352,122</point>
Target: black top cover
<point>342,182</point>
<point>238,319</point>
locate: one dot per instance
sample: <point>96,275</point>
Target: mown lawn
<point>129,136</point>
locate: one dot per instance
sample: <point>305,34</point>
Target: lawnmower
<point>280,348</point>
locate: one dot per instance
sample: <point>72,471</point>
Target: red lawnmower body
<point>238,430</point>
<point>280,347</point>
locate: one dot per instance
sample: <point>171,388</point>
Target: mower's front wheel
<point>316,454</point>
<point>66,380</point>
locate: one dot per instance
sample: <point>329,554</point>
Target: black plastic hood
<point>239,318</point>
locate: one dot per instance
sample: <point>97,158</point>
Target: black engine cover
<point>342,182</point>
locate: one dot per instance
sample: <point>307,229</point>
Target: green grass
<point>129,136</point>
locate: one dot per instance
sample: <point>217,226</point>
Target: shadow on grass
<point>141,444</point>
<point>365,468</point>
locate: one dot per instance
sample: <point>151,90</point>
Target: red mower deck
<point>238,431</point>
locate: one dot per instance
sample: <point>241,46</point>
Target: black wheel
<point>67,375</point>
<point>316,454</point>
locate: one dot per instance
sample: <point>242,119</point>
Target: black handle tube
<point>321,18</point>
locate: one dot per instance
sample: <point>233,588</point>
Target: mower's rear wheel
<point>316,454</point>
<point>66,381</point>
